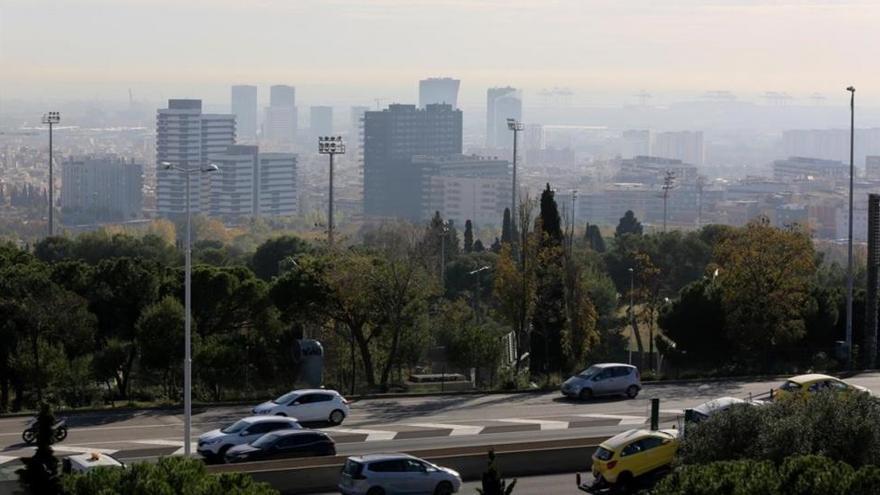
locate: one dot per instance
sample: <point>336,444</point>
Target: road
<point>557,484</point>
<point>404,424</point>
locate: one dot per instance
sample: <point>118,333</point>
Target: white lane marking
<point>624,420</point>
<point>5,458</point>
<point>193,446</point>
<point>676,412</point>
<point>159,441</point>
<point>544,423</point>
<point>372,435</point>
<point>457,430</point>
<point>82,450</point>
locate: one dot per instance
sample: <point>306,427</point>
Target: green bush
<point>169,476</point>
<point>798,475</point>
<point>842,427</point>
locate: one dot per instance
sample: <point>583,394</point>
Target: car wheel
<point>443,488</point>
<point>221,454</point>
<point>336,417</point>
<point>586,394</point>
<point>376,491</point>
<point>625,482</point>
<point>632,391</point>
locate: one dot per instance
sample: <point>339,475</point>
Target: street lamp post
<point>849,243</point>
<point>444,231</point>
<point>51,119</point>
<point>187,335</point>
<point>477,272</point>
<point>517,127</point>
<point>330,145</point>
<point>632,315</point>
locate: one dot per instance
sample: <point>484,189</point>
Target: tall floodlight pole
<point>849,242</point>
<point>51,119</point>
<point>330,145</point>
<point>517,127</point>
<point>632,315</point>
<point>187,335</point>
<point>668,180</point>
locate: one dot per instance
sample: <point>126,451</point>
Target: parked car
<point>308,405</point>
<point>214,444</point>
<point>283,444</point>
<point>81,463</point>
<point>815,382</point>
<point>392,474</point>
<point>707,409</point>
<point>604,379</point>
<point>619,461</point>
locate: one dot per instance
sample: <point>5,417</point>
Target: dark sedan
<point>283,444</point>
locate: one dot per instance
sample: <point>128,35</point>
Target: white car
<point>309,405</point>
<point>392,474</point>
<point>604,379</point>
<point>214,444</point>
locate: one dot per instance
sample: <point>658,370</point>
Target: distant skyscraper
<point>281,117</point>
<point>277,184</point>
<point>102,187</point>
<point>501,104</point>
<point>438,90</point>
<point>185,137</point>
<point>534,137</point>
<point>244,107</point>
<point>321,120</point>
<point>392,137</point>
<point>253,183</point>
<point>872,167</point>
<point>465,188</point>
<point>636,143</point>
<point>686,146</point>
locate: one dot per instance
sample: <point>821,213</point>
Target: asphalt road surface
<point>556,484</point>
<point>403,424</point>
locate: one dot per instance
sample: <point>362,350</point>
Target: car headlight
<point>212,441</point>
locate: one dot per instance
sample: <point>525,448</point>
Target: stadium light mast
<point>51,119</point>
<point>517,127</point>
<point>849,241</point>
<point>330,145</point>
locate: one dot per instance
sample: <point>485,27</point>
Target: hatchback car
<point>604,379</point>
<point>393,474</point>
<point>214,444</point>
<point>815,382</point>
<point>622,458</point>
<point>310,405</point>
<point>283,444</point>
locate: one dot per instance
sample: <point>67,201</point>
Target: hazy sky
<point>349,50</point>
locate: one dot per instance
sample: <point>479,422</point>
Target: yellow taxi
<point>815,382</point>
<point>624,457</point>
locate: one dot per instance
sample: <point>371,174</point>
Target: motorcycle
<point>59,431</point>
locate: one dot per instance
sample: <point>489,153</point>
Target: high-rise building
<point>102,187</point>
<point>636,143</point>
<point>253,183</point>
<point>501,104</point>
<point>280,125</point>
<point>534,137</point>
<point>464,188</point>
<point>686,146</point>
<point>872,167</point>
<point>357,120</point>
<point>801,168</point>
<point>831,144</point>
<point>244,107</point>
<point>185,137</point>
<point>438,90</point>
<point>321,120</point>
<point>392,137</point>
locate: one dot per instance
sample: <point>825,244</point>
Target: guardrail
<point>312,475</point>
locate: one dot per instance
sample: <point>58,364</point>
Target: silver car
<point>392,474</point>
<point>604,379</point>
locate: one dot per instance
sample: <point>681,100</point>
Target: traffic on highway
<point>375,434</point>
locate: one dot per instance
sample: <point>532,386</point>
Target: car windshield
<point>265,440</point>
<point>587,373</point>
<point>603,454</point>
<point>352,468</point>
<point>284,399</point>
<point>235,427</point>
<point>790,385</point>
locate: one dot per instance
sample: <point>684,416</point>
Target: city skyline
<point>592,47</point>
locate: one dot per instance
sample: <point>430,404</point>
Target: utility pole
<point>444,230</point>
<point>849,243</point>
<point>330,145</point>
<point>667,185</point>
<point>517,127</point>
<point>51,119</point>
<point>701,182</point>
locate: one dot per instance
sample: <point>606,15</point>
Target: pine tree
<point>478,246</point>
<point>551,222</point>
<point>594,238</point>
<point>549,317</point>
<point>496,246</point>
<point>468,236</point>
<point>628,224</point>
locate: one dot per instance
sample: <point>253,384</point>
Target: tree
<point>506,227</point>
<point>628,225</point>
<point>695,322</point>
<point>468,236</point>
<point>549,317</point>
<point>159,334</point>
<point>478,246</point>
<point>40,472</point>
<point>469,344</point>
<point>594,239</point>
<point>764,275</point>
<point>269,255</point>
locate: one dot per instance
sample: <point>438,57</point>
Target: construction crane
<point>643,97</point>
